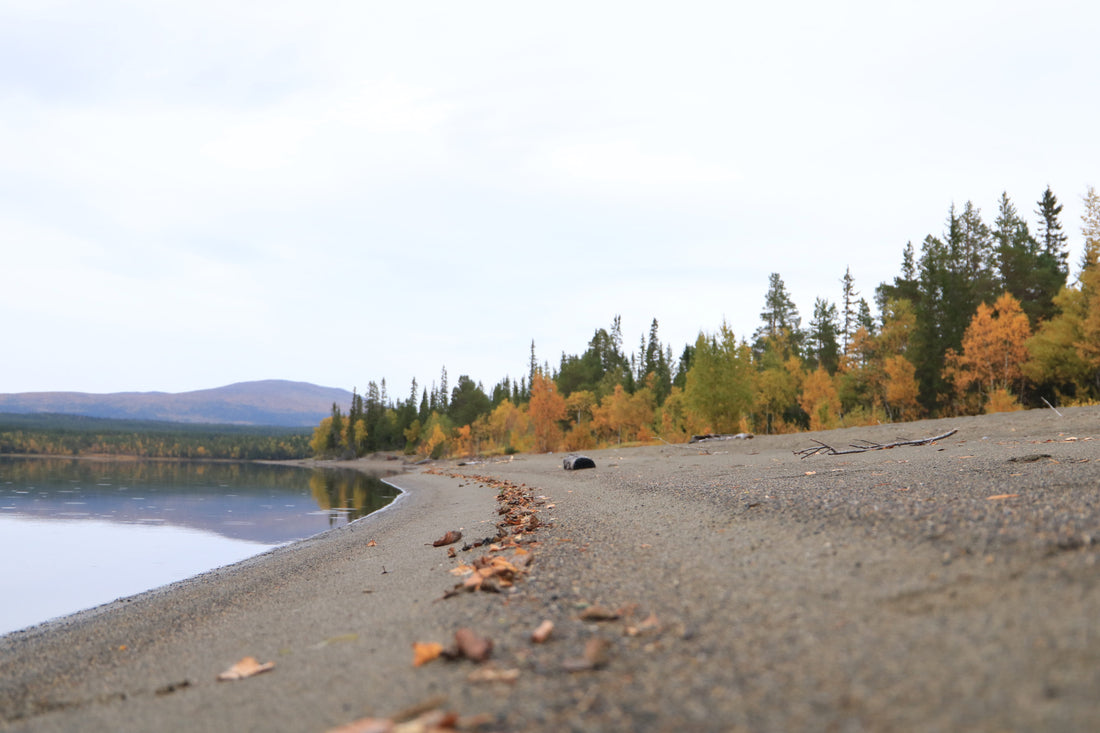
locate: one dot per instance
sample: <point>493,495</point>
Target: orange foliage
<point>901,388</point>
<point>547,409</point>
<point>820,400</point>
<point>994,348</point>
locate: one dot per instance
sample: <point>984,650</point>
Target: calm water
<point>78,533</point>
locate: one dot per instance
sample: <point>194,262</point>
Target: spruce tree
<point>779,317</point>
<point>849,307</point>
<point>1049,233</point>
<point>822,348</point>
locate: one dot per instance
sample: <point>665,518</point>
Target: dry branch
<point>722,436</point>
<point>865,445</point>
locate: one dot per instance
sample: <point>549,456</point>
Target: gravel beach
<point>725,586</point>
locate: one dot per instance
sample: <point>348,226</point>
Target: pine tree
<point>1049,233</point>
<point>780,317</point>
<point>1024,268</point>
<point>822,348</point>
<point>849,307</point>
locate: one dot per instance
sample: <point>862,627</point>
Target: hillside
<point>268,402</point>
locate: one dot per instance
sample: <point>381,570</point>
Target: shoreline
<point>943,586</point>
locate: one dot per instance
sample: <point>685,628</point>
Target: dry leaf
<point>425,651</point>
<point>598,613</point>
<point>431,721</point>
<point>996,497</point>
<point>489,674</point>
<point>472,646</point>
<point>450,552</point>
<point>595,656</point>
<point>450,538</point>
<point>596,652</point>
<point>542,633</point>
<point>649,624</point>
<point>247,667</point>
<point>366,725</point>
<point>372,543</point>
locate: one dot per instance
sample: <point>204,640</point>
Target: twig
<point>865,445</point>
<point>1044,399</point>
<point>723,436</point>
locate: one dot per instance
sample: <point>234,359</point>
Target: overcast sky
<point>199,193</point>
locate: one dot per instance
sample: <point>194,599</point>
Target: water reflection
<point>255,502</point>
<point>87,532</point>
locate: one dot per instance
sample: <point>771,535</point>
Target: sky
<point>199,193</point>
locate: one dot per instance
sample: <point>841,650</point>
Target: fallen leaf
<point>450,552</point>
<point>451,537</point>
<point>649,624</point>
<point>247,667</point>
<point>425,651</point>
<point>996,497</point>
<point>366,725</point>
<point>431,721</point>
<point>598,613</point>
<point>596,651</point>
<point>372,543</point>
<point>542,633</point>
<point>489,674</point>
<point>471,645</point>
<point>595,657</point>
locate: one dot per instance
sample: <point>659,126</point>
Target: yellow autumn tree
<point>1065,350</point>
<point>994,351</point>
<point>579,406</point>
<point>820,400</point>
<point>508,429</point>
<point>718,391</point>
<point>901,389</point>
<point>624,417</point>
<point>547,410</point>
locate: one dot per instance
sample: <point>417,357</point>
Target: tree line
<point>982,317</point>
<point>75,435</point>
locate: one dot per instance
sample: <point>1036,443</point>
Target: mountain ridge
<point>274,402</point>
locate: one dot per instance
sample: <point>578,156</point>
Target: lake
<point>79,533</point>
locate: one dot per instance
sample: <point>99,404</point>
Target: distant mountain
<point>269,402</point>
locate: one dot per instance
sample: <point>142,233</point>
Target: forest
<point>983,317</point>
<point>76,435</point>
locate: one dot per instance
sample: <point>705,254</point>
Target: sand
<point>937,587</point>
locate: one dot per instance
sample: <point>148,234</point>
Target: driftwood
<point>722,436</point>
<point>865,445</point>
<point>574,463</point>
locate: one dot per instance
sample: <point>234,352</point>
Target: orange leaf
<point>450,538</point>
<point>598,613</point>
<point>425,651</point>
<point>472,646</point>
<point>542,633</point>
<point>997,497</point>
<point>493,675</point>
<point>372,543</point>
<point>247,667</point>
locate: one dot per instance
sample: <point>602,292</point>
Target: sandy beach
<point>719,586</point>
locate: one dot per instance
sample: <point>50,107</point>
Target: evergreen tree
<point>905,286</point>
<point>780,317</point>
<point>468,402</point>
<point>1051,238</point>
<point>822,348</point>
<point>444,397</point>
<point>849,307</point>
<point>683,366</point>
<point>1024,269</point>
